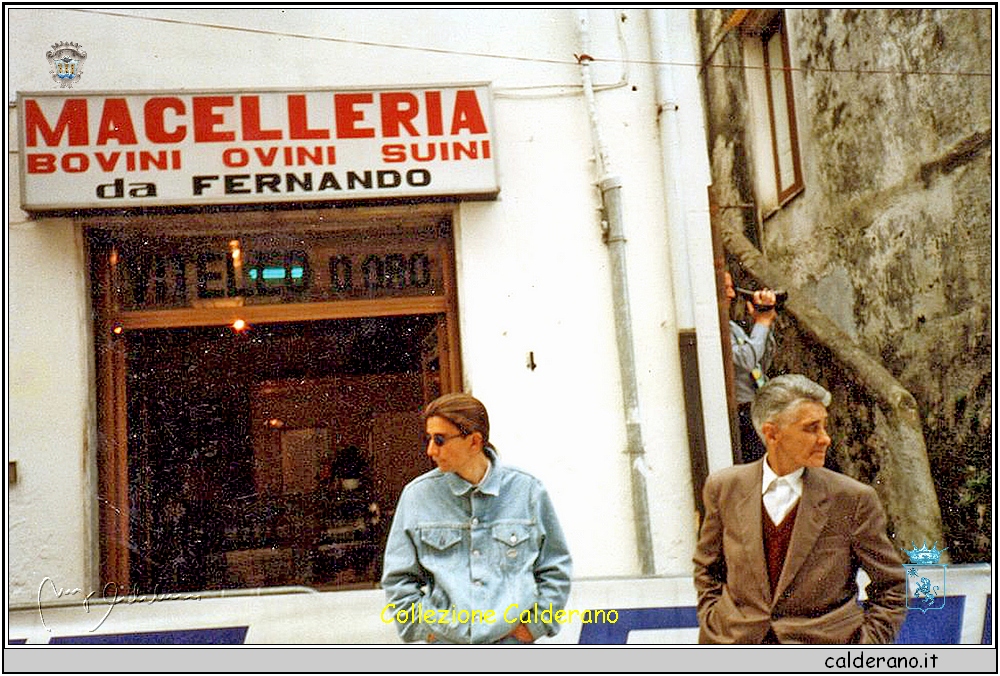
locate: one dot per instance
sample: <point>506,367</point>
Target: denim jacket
<point>456,547</point>
<point>755,350</point>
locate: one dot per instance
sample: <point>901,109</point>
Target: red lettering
<point>148,160</point>
<point>394,152</point>
<point>298,121</point>
<point>235,157</point>
<point>116,123</point>
<point>250,107</point>
<point>467,114</point>
<point>41,163</point>
<point>156,130</point>
<point>108,163</point>
<point>266,158</point>
<point>75,163</point>
<point>302,154</point>
<point>212,118</point>
<point>398,109</point>
<point>431,152</point>
<point>348,116</point>
<point>72,121</point>
<point>206,119</point>
<point>435,127</point>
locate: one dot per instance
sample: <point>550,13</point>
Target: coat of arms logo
<point>67,63</point>
<point>925,578</point>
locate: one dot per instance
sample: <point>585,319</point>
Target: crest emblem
<point>925,578</point>
<point>67,60</point>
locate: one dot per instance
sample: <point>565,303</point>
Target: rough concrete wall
<point>869,439</point>
<point>892,235</point>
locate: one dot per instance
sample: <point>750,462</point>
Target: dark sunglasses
<point>442,439</point>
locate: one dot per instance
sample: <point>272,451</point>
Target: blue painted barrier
<point>215,636</point>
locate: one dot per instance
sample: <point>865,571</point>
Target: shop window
<point>270,456</point>
<point>776,158</point>
<point>268,452</point>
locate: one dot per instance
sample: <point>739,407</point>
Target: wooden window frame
<point>776,30</point>
<point>758,27</point>
<point>110,322</point>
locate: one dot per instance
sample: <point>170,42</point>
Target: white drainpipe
<point>668,31</point>
<point>610,187</point>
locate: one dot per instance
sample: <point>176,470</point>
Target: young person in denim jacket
<point>475,553</point>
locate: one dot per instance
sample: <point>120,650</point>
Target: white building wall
<point>532,269</point>
<point>51,507</point>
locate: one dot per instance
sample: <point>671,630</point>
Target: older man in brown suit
<point>783,538</point>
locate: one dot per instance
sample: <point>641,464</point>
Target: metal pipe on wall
<point>667,105</point>
<point>610,189</point>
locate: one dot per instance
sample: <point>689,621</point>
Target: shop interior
<point>272,455</point>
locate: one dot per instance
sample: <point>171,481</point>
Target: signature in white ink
<point>110,595</point>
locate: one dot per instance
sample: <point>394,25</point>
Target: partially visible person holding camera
<point>752,355</point>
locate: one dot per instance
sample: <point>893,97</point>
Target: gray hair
<point>783,393</point>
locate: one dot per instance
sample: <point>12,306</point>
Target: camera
<point>780,296</point>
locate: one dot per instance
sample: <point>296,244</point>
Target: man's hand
<point>765,300</point>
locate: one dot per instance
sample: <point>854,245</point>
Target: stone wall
<point>892,236</point>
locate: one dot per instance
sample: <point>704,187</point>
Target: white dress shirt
<point>780,492</point>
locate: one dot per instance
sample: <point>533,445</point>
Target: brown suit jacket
<point>840,526</point>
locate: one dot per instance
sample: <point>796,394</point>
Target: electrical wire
<point>528,59</point>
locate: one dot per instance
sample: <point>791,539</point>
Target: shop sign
<point>147,149</point>
<point>158,274</point>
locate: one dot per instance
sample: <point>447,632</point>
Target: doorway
<point>259,392</point>
<point>274,455</point>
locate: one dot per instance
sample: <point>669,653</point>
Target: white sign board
<point>145,149</point>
